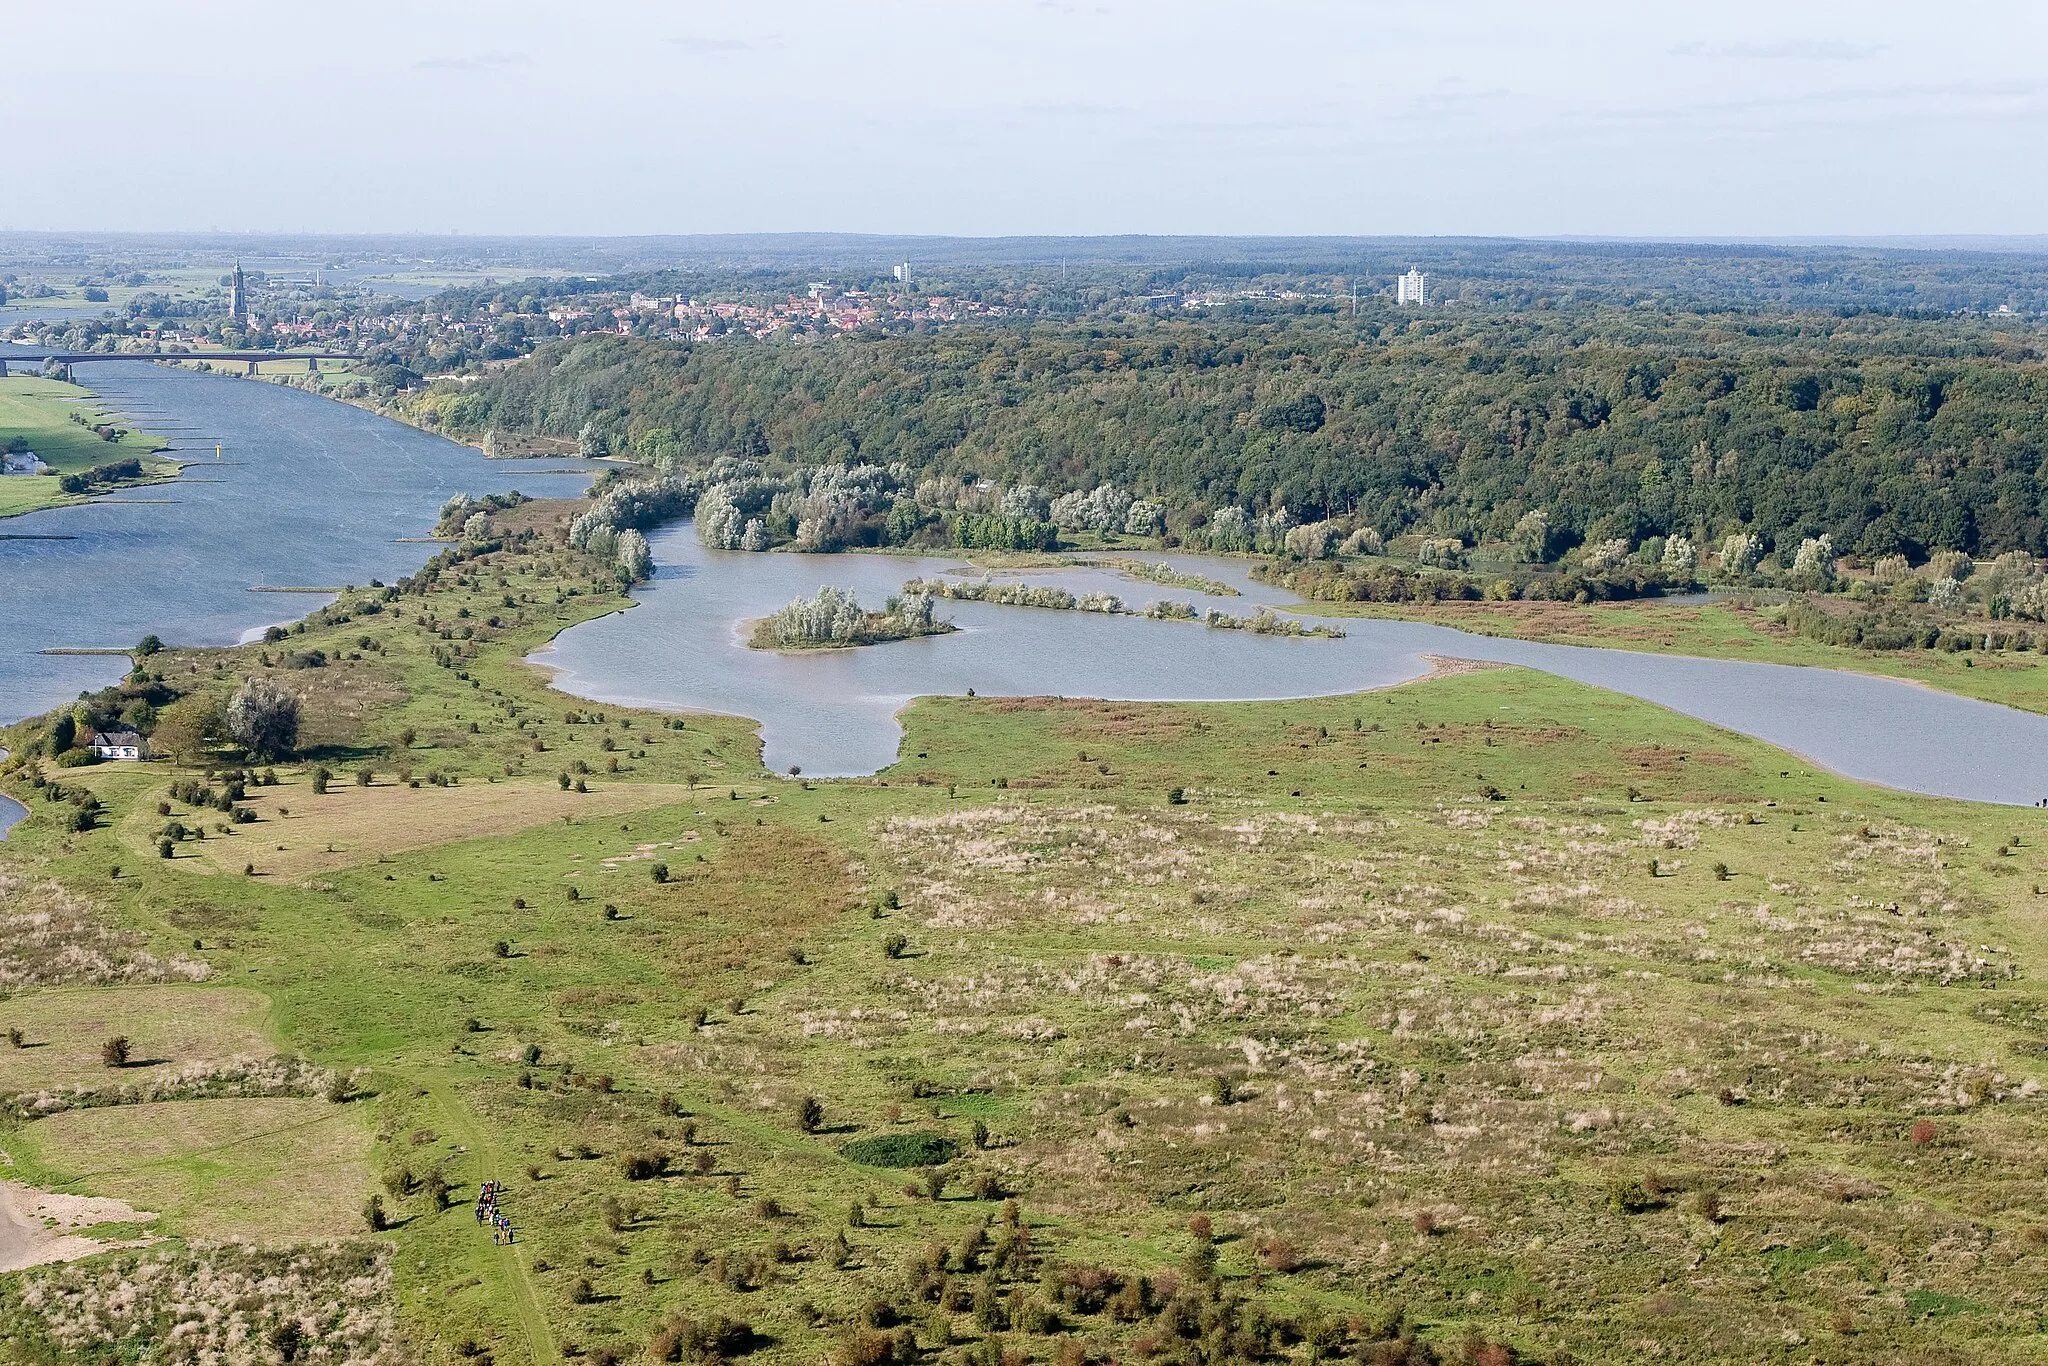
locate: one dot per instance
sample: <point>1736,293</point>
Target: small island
<point>835,620</point>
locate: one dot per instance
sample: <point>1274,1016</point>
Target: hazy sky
<point>1028,116</point>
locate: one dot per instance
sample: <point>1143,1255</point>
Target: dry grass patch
<point>350,824</point>
<point>168,1028</point>
<point>51,936</point>
<point>272,1169</point>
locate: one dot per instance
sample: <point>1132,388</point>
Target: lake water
<point>832,712</point>
<point>316,493</point>
<point>310,493</point>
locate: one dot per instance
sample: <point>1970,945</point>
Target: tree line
<point>1888,435</point>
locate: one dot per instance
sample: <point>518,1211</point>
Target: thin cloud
<point>713,44</point>
<point>489,62</point>
<point>1795,50</point>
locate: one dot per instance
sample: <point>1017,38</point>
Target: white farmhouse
<point>117,744</point>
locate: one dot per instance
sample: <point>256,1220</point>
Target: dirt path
<point>540,1340</point>
<point>37,1227</point>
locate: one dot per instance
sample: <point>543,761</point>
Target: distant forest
<point>1888,434</point>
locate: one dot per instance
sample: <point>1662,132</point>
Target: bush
<point>643,1164</point>
<point>919,1148</point>
<point>659,872</point>
<point>373,1214</point>
<point>895,946</point>
<point>582,1292</point>
<point>702,1341</point>
<point>114,1052</point>
<point>809,1114</point>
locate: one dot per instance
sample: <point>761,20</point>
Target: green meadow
<point>1489,1018</point>
<point>40,411</point>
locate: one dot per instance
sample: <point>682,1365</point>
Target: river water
<point>314,493</point>
<point>832,712</point>
<point>308,493</point>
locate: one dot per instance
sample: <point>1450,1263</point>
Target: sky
<point>991,117</point>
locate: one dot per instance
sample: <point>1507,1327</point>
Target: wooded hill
<point>1889,434</point>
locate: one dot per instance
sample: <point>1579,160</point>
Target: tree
<point>810,1115</point>
<point>263,719</point>
<point>114,1052</point>
<point>184,728</point>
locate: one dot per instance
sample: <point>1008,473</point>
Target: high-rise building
<point>1412,288</point>
<point>902,273</point>
<point>238,296</point>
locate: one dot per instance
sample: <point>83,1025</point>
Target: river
<point>314,494</point>
<point>307,493</point>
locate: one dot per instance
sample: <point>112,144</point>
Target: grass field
<point>1489,1014</point>
<point>170,1027</point>
<point>270,1169</point>
<point>40,410</point>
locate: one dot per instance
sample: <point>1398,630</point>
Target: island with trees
<point>833,619</point>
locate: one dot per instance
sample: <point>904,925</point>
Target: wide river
<point>308,493</point>
<point>315,493</point>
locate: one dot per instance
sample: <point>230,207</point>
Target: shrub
<point>1632,1197</point>
<point>582,1292</point>
<point>702,1341</point>
<point>809,1114</point>
<point>659,872</point>
<point>895,946</point>
<point>643,1164</point>
<point>1922,1133</point>
<point>373,1214</point>
<point>114,1052</point>
<point>919,1148</point>
<point>321,777</point>
<point>1281,1256</point>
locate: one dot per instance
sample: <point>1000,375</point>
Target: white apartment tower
<point>1412,288</point>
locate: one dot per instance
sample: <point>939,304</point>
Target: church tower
<point>238,297</point>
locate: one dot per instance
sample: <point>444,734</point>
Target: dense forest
<point>1888,435</point>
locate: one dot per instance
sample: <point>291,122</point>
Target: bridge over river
<point>28,356</point>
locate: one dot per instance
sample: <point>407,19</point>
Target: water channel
<point>314,494</point>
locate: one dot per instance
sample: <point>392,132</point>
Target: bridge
<point>253,358</point>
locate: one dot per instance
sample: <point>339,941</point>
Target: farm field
<point>1488,1018</point>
